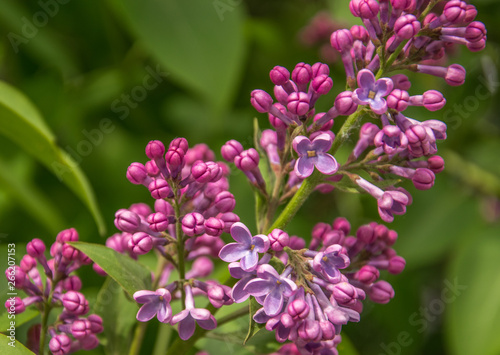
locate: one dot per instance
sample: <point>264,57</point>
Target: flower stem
<point>139,333</point>
<point>45,316</point>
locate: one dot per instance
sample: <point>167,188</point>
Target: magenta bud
<point>72,283</point>
<point>298,309</point>
<point>298,103</point>
<point>381,292</point>
<point>27,263</point>
<point>224,202</point>
<point>247,160</point>
<point>436,164</point>
<point>423,179</point>
<point>159,188</point>
<point>193,224</point>
<point>475,31</point>
<point>344,292</point>
<point>202,267</point>
<point>368,9</point>
<point>81,328</point>
<point>15,305</point>
<point>231,149</point>
<point>320,69</point>
<point>433,100</point>
<point>174,159</point>
<point>99,270</point>
<point>327,330</point>
<point>454,11</point>
<point>279,75</point>
<point>141,209</point>
<point>60,344</point>
<point>36,248</point>
<point>158,221</point>
<point>17,275</point>
<point>164,207</point>
<point>477,46</point>
<point>396,265</point>
<point>278,239</point>
<point>137,173</point>
<point>320,229</point>
<point>95,323</point>
<point>67,235</point>
<point>89,342</point>
<point>302,73</point>
<point>402,4</point>
<point>229,218</point>
<point>407,26</point>
<point>75,303</point>
<point>309,330</point>
<point>367,274</point>
<point>152,168</point>
<point>261,101</point>
<point>401,82</point>
<point>127,221</point>
<point>296,243</point>
<point>70,253</point>
<point>342,224</point>
<point>333,237</point>
<point>140,243</point>
<point>214,226</point>
<point>179,143</point>
<point>342,40</point>
<point>398,100</point>
<point>470,13</point>
<point>155,150</point>
<point>359,33</point>
<point>322,84</point>
<point>344,103</point>
<point>366,234</point>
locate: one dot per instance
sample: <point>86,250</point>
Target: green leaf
<point>20,319</point>
<point>128,273</point>
<point>199,43</point>
<point>346,347</point>
<point>30,197</point>
<point>15,349</point>
<point>472,319</point>
<point>118,314</point>
<point>21,122</point>
<point>253,327</point>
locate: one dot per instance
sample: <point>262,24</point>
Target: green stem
<point>383,68</point>
<point>139,333</point>
<point>232,316</point>
<point>45,316</point>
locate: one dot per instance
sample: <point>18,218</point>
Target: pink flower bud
<point>261,101</point>
<point>278,239</point>
<point>322,84</point>
<point>75,303</point>
<point>398,100</point>
<point>67,235</point>
<point>155,150</point>
<point>342,40</point>
<point>140,243</point>
<point>36,248</point>
<point>60,344</point>
<point>302,73</point>
<point>231,149</point>
<point>158,222</point>
<point>433,100</point>
<point>224,202</point>
<point>137,174</point>
<point>367,274</point>
<point>423,179</point>
<point>214,226</point>
<point>159,189</point>
<point>279,75</point>
<point>344,103</point>
<point>247,160</point>
<point>381,292</point>
<point>193,224</point>
<point>298,103</point>
<point>396,265</point>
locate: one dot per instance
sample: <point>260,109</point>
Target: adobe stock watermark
<point>122,106</point>
<point>223,6</point>
<point>40,19</point>
<point>425,316</point>
<point>488,86</point>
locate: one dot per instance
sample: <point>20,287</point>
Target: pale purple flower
<point>188,318</point>
<point>273,286</point>
<point>331,260</point>
<point>246,248</point>
<point>155,303</point>
<point>372,92</point>
<point>314,154</point>
<point>238,292</point>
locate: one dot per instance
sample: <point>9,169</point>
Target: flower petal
<point>147,312</point>
<point>179,316</point>
<point>322,143</point>
<point>379,106</point>
<point>267,272</point>
<point>250,260</point>
<point>208,324</point>
<point>366,79</point>
<point>301,145</point>
<point>164,313</point>
<point>186,328</point>
<point>273,302</point>
<point>241,233</point>
<point>360,97</point>
<point>261,243</point>
<point>326,164</point>
<point>304,167</point>
<point>258,287</point>
<point>384,86</point>
<point>233,252</point>
<point>145,296</point>
<point>238,293</point>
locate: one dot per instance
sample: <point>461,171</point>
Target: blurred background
<point>109,76</point>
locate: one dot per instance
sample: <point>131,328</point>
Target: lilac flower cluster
<point>71,331</point>
<point>310,299</point>
<point>192,208</point>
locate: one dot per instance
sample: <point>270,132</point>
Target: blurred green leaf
<point>473,315</point>
<point>30,197</point>
<point>253,327</point>
<point>118,314</point>
<point>128,273</point>
<point>21,122</point>
<point>346,347</point>
<point>198,42</point>
<point>15,349</point>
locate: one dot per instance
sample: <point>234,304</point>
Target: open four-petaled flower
<point>331,260</point>
<point>372,92</point>
<point>273,287</point>
<point>155,303</point>
<point>246,248</point>
<point>314,154</point>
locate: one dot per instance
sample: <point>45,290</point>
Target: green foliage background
<point>79,67</point>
